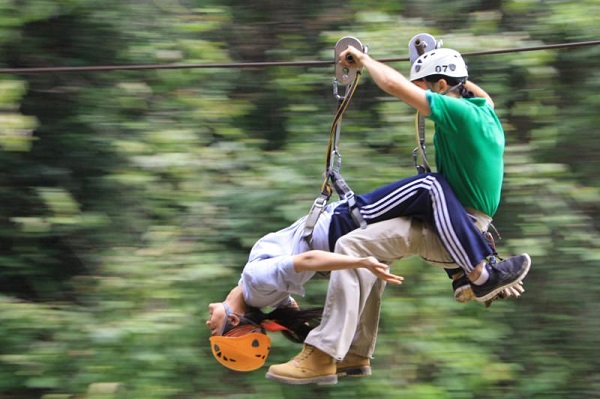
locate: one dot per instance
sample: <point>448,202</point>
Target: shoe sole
<point>355,372</point>
<point>464,294</point>
<point>495,292</point>
<point>322,380</point>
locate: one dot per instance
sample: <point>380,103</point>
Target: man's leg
<point>387,241</point>
<point>349,293</point>
<point>359,291</point>
<point>429,197</point>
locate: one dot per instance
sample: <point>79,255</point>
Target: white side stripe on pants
<point>442,218</point>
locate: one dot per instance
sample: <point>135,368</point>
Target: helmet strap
<point>228,312</point>
<point>243,320</point>
<point>451,89</point>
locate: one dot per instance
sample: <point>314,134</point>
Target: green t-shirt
<point>469,149</point>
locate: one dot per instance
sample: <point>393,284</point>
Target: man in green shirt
<point>469,144</point>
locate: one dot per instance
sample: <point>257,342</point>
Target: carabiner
<point>335,161</point>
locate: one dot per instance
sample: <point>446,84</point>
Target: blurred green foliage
<point>130,199</point>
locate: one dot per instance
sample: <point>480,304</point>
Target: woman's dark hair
<point>452,81</point>
<point>297,322</point>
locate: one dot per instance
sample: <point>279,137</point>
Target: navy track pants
<point>429,198</point>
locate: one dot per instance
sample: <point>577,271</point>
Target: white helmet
<point>441,61</point>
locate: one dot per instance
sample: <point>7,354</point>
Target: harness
<point>348,77</point>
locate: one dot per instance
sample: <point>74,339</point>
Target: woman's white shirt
<point>269,277</point>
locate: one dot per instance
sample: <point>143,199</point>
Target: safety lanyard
<point>333,160</point>
<point>417,46</point>
<point>420,150</point>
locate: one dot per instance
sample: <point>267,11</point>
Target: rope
<point>243,65</point>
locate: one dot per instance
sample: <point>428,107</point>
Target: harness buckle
<point>355,211</point>
<point>313,215</point>
<point>345,192</point>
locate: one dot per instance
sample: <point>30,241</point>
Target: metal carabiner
<point>336,92</point>
<point>335,161</point>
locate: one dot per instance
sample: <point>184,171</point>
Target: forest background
<point>129,199</point>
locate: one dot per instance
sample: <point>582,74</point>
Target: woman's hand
<point>382,271</point>
<point>323,261</point>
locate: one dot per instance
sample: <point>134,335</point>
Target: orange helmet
<point>242,353</point>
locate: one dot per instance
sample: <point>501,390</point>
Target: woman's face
<point>217,318</point>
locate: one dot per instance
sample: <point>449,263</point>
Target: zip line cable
<point>241,65</point>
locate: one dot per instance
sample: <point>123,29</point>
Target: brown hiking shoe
<point>354,366</point>
<point>311,366</point>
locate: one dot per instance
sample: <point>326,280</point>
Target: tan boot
<point>354,366</point>
<point>311,366</point>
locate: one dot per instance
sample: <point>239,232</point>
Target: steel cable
<point>243,65</point>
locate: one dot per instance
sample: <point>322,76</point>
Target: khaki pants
<point>352,306</point>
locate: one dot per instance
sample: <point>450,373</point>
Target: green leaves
<point>130,199</point>
<point>15,129</point>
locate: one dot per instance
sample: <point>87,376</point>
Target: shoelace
<point>308,350</point>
